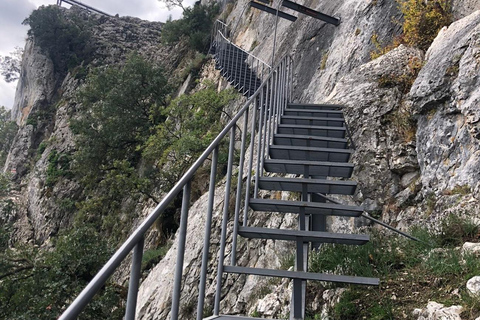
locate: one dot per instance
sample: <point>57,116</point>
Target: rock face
<point>36,85</point>
<point>446,95</point>
<point>437,311</point>
<point>383,155</point>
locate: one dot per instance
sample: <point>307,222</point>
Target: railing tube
<point>250,164</point>
<point>182,235</point>
<point>259,146</point>
<point>264,125</point>
<point>238,197</point>
<point>208,231</point>
<point>223,239</point>
<point>134,280</point>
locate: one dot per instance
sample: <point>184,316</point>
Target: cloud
<point>12,14</point>
<point>7,94</point>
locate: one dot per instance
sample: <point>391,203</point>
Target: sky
<point>13,33</point>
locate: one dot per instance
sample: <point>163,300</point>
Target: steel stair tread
<point>301,235</point>
<point>312,185</point>
<point>310,141</point>
<point>330,209</point>
<point>309,153</point>
<point>315,106</point>
<point>314,113</point>
<point>302,275</point>
<point>315,121</point>
<point>334,132</point>
<point>315,168</point>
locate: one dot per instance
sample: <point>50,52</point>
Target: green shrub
<point>8,130</point>
<point>428,270</point>
<point>196,26</point>
<point>455,231</point>
<point>423,20</point>
<point>196,118</point>
<point>36,283</point>
<point>153,256</point>
<point>120,106</point>
<point>58,166</point>
<point>65,41</point>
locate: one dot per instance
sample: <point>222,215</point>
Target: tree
<point>193,121</point>
<point>8,130</point>
<point>36,283</point>
<point>170,4</point>
<point>10,66</point>
<point>65,41</point>
<point>195,26</point>
<point>119,107</point>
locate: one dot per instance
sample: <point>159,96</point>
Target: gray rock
<point>471,248</point>
<point>463,8</point>
<point>36,84</point>
<point>473,286</point>
<point>446,96</point>
<point>437,311</point>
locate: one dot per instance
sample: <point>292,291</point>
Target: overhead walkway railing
<point>82,5</point>
<point>257,118</point>
<point>243,70</point>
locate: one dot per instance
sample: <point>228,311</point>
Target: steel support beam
<point>310,12</point>
<point>273,11</point>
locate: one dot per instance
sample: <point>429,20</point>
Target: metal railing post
<point>238,197</point>
<point>259,146</point>
<point>135,274</point>
<point>265,96</point>
<point>208,231</point>
<point>250,163</point>
<point>182,235</point>
<point>223,239</point>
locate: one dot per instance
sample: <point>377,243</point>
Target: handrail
<point>248,53</point>
<point>278,82</point>
<point>383,224</point>
<point>242,69</point>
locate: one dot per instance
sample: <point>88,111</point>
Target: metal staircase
<point>278,138</point>
<point>241,69</point>
<point>307,140</point>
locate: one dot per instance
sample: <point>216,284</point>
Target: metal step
<point>302,275</point>
<point>315,106</point>
<point>315,168</point>
<point>305,236</point>
<point>225,317</point>
<point>309,121</point>
<point>310,141</point>
<point>314,113</point>
<point>329,209</point>
<point>323,131</point>
<point>312,185</point>
<point>309,154</point>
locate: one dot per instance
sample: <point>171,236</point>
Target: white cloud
<point>13,33</point>
<point>7,94</point>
